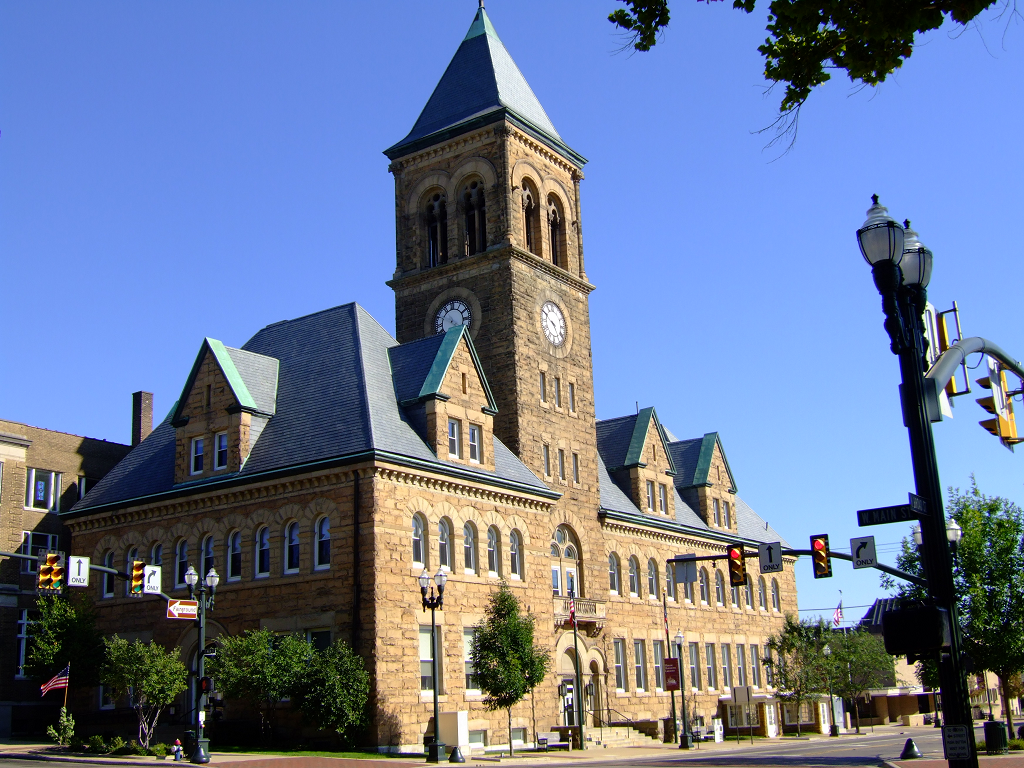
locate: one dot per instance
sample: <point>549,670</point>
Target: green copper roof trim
<point>443,360</point>
<point>641,427</point>
<point>227,367</point>
<point>481,26</point>
<point>707,451</point>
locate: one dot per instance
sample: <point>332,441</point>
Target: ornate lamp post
<point>685,739</point>
<point>202,751</point>
<point>435,750</point>
<point>901,268</point>
<point>833,729</point>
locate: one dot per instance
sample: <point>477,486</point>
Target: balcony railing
<point>590,613</point>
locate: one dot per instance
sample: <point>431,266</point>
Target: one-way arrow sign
<point>863,550</point>
<point>770,556</point>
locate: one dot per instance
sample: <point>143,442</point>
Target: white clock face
<point>553,322</point>
<point>455,312</point>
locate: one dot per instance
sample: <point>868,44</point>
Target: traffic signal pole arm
<point>944,368</point>
<point>100,568</point>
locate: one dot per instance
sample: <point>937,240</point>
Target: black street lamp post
<point>435,750</point>
<point>833,729</point>
<point>901,268</point>
<point>201,754</point>
<point>685,740</point>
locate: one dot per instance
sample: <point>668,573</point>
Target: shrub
<point>116,743</point>
<point>77,744</point>
<point>1016,745</point>
<point>97,746</point>
<point>65,729</point>
<point>157,750</point>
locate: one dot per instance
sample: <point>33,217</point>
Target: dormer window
<point>650,495</point>
<point>474,443</point>
<point>727,518</point>
<point>220,456</point>
<point>197,456</point>
<point>453,438</point>
<point>718,511</point>
<point>662,497</point>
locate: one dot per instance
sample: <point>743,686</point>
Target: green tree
<point>333,690</point>
<point>796,662</point>
<point>65,632</point>
<point>806,38</point>
<point>65,730</point>
<point>507,661</point>
<point>150,676</point>
<point>988,575</point>
<point>261,668</point>
<point>857,664</point>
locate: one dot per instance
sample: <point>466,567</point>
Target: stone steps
<point>618,736</point>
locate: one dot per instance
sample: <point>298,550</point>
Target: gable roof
<point>336,401</point>
<point>419,367</point>
<point>482,84</point>
<point>693,460</point>
<point>259,370</point>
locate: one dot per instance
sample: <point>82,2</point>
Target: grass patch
<point>300,751</point>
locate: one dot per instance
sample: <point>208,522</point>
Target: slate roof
<point>613,438</point>
<point>336,398</point>
<point>686,454</point>
<point>481,83</point>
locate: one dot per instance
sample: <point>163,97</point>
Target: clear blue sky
<point>170,171</point>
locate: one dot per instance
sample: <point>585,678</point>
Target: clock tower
<point>487,210</point>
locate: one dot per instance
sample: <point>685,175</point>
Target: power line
<point>832,609</point>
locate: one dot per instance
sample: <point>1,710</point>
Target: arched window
<point>735,596</point>
<point>634,577</point>
<point>129,560</point>
<point>474,217</point>
<point>469,548</point>
<point>531,219</point>
<point>291,548</point>
<point>323,543</point>
<point>556,233</point>
<point>234,556</point>
<point>719,588</point>
<point>437,230</point>
<point>493,552</point>
<point>180,563</point>
<point>565,563</point>
<point>207,559</point>
<point>652,579</point>
<point>705,596</point>
<point>762,594</point>
<point>419,550</point>
<point>749,592</point>
<point>670,581</point>
<point>108,578</point>
<point>688,591</point>
<point>614,575</point>
<point>776,600</point>
<point>515,556</point>
<point>444,550</point>
<point>156,555</point>
<point>262,552</point>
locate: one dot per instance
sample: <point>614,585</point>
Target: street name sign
<point>671,674</point>
<point>151,580</point>
<point>955,743</point>
<point>770,557</point>
<point>182,609</point>
<point>900,513</point>
<point>863,550</point>
<point>78,571</point>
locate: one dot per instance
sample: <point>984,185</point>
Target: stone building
<point>42,474</point>
<point>324,464</point>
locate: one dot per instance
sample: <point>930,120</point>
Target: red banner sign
<point>671,674</point>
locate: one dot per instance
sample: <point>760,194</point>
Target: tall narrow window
<point>444,545</point>
<point>726,515</point>
<point>547,460</point>
<point>437,230</point>
<point>474,444</point>
<point>474,218</point>
<point>572,397</point>
<point>515,556</point>
<point>735,596</point>
<point>662,498</point>
<point>658,649</point>
<point>704,587</point>
<point>741,665</point>
<point>493,552</point>
<point>719,588</point>
<point>469,548</point>
<point>749,591</point>
<point>613,574</point>
<point>639,665</point>
<point>108,578</point>
<point>220,457</point>
<point>418,551</point>
<point>156,555</point>
<point>234,558</point>
<point>694,667</point>
<point>634,577</point>
<point>776,600</point>
<point>197,455</point>
<point>561,464</point>
<point>291,548</point>
<point>767,658</point>
<point>726,667</point>
<point>652,579</point>
<point>453,438</point>
<point>531,216</point>
<point>543,387</point>
<point>762,594</point>
<point>263,552</point>
<point>129,560</point>
<point>556,571</point>
<point>323,543</point>
<point>427,654</point>
<point>670,581</point>
<point>620,663</point>
<point>558,392</point>
<point>181,563</point>
<point>709,658</point>
<point>650,495</point>
<point>472,684</point>
<point>570,561</point>
<point>718,511</point>
<point>755,667</point>
<point>206,562</point>
<point>688,591</point>
<point>576,468</point>
<point>555,227</point>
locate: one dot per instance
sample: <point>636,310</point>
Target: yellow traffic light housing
<point>51,573</point>
<point>821,560</point>
<point>1000,405</point>
<point>737,568</point>
<point>138,576</point>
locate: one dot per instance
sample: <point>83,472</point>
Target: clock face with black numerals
<point>553,322</point>
<point>455,312</point>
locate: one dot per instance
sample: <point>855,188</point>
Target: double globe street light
<point>201,754</point>
<point>902,268</point>
<point>435,750</point>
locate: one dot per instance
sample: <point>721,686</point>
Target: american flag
<point>60,680</point>
<point>572,609</point>
<point>837,617</point>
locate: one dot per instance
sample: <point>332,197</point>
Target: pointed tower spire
<point>481,85</point>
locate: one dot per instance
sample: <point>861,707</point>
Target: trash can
<point>995,738</point>
<point>189,744</point>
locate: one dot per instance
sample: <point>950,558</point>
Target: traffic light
<point>138,577</point>
<point>737,568</point>
<point>821,561</point>
<point>1000,405</point>
<point>51,572</point>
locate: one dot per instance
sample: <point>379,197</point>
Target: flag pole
<point>66,688</point>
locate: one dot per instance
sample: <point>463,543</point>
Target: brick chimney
<point>142,416</point>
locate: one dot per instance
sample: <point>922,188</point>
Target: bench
<point>552,739</point>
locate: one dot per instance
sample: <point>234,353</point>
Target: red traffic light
<point>821,560</point>
<point>737,568</point>
<point>818,544</point>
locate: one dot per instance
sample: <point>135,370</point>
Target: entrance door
<point>569,701</point>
